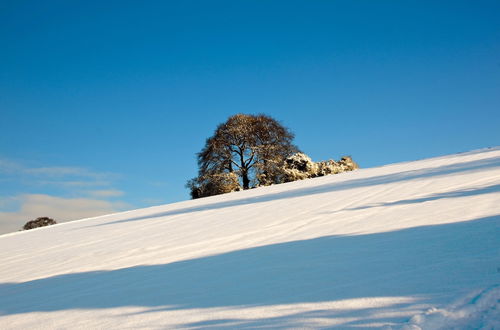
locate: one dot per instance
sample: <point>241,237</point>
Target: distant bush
<point>327,167</point>
<point>213,184</point>
<point>39,222</point>
<point>299,166</point>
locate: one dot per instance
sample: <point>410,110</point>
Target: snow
<point>480,311</point>
<point>406,246</point>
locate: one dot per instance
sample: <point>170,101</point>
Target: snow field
<point>404,246</point>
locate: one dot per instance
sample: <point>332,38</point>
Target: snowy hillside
<point>405,246</point>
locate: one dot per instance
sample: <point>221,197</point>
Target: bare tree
<point>248,146</point>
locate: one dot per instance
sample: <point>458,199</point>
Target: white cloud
<point>92,188</point>
<point>9,202</point>
<point>75,183</point>
<point>57,208</point>
<point>62,171</point>
<point>62,176</point>
<point>106,193</point>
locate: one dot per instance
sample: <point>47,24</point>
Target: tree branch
<point>238,166</point>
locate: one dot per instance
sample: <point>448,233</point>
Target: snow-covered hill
<point>410,245</point>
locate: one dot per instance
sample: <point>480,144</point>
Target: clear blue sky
<point>110,100</point>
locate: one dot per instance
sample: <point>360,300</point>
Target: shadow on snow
<point>415,262</point>
<point>450,194</point>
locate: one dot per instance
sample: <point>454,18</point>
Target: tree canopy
<point>245,151</point>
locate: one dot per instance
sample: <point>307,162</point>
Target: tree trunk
<point>246,181</point>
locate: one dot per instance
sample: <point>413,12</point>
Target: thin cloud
<point>70,184</point>
<point>60,209</point>
<point>62,171</point>
<point>106,193</point>
<point>62,176</point>
<point>59,171</point>
<point>9,167</point>
<point>9,202</point>
<point>88,191</point>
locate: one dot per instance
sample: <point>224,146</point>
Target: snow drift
<point>404,246</point>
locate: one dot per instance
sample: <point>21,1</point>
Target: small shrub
<point>328,167</point>
<point>213,184</point>
<point>39,222</point>
<point>348,164</point>
<point>299,166</point>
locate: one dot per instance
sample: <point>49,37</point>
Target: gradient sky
<point>104,104</point>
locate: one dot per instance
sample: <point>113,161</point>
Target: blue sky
<point>104,104</point>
